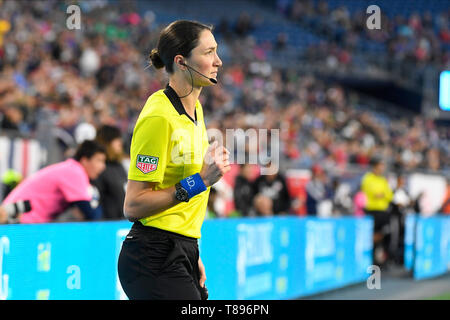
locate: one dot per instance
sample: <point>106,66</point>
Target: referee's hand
<point>216,163</point>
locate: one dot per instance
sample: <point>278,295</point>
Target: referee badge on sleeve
<point>146,164</point>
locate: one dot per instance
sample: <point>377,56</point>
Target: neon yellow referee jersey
<point>377,190</point>
<point>168,146</point>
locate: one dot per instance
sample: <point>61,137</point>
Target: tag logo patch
<point>146,164</point>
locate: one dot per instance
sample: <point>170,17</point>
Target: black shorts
<point>155,264</point>
<point>380,219</point>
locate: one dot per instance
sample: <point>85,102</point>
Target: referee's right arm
<point>141,200</point>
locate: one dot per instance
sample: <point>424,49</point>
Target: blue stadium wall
<point>427,246</point>
<point>267,258</point>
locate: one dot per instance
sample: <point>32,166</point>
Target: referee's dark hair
<point>179,37</point>
<point>87,149</point>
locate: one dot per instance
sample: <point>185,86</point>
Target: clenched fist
<point>215,164</point>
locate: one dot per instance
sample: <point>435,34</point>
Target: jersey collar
<point>176,102</point>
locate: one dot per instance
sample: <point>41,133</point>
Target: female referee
<point>172,167</point>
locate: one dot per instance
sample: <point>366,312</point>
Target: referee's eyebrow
<point>211,48</point>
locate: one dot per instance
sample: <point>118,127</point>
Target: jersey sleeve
<point>149,150</point>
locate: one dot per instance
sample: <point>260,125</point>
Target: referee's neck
<point>189,101</point>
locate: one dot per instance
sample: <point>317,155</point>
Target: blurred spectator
<point>112,181</point>
<point>445,208</point>
<point>14,120</point>
<point>243,25</point>
<point>359,202</point>
<point>342,200</point>
<point>243,191</point>
<point>281,42</point>
<point>52,190</point>
<point>417,206</point>
<point>274,187</point>
<point>318,193</point>
<point>400,207</point>
<point>401,200</point>
<point>379,196</point>
<point>262,206</point>
<point>210,210</point>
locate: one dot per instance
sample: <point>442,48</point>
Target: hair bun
<point>155,59</point>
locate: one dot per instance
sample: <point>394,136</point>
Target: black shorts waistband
<point>147,230</point>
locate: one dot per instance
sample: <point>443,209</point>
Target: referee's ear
<point>179,60</point>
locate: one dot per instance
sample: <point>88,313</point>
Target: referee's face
<point>205,59</point>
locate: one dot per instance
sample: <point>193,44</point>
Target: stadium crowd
<point>76,81</point>
<point>413,40</point>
